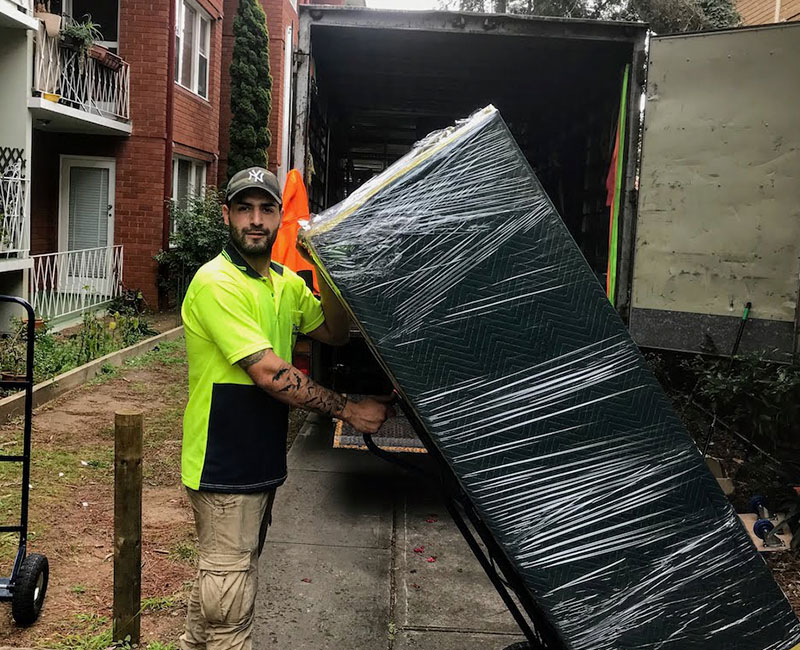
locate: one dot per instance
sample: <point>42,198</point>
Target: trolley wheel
<point>755,503</point>
<point>30,588</point>
<point>524,645</point>
<point>762,527</point>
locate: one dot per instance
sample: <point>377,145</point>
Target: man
<point>242,313</point>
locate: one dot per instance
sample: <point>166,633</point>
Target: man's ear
<point>225,213</point>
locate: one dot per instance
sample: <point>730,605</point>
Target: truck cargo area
<point>382,80</point>
<point>378,90</point>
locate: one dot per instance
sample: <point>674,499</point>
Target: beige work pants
<point>231,529</point>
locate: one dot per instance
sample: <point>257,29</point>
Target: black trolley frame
<point>537,629</point>
<point>7,585</point>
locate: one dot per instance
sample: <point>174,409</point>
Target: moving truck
<point>673,160</point>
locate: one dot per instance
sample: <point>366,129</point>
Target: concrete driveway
<point>363,556</point>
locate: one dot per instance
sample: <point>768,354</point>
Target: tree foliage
<point>664,16</point>
<point>251,88</point>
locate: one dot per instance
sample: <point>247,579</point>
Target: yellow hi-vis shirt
<point>234,433</point>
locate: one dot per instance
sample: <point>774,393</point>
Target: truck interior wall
<point>375,92</point>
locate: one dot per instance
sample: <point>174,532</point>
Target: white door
<point>86,225</point>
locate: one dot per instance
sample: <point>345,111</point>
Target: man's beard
<point>257,248</point>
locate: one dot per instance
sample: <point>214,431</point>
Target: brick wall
<point>280,14</point>
<point>761,12</point>
<point>141,160</point>
<point>139,215</point>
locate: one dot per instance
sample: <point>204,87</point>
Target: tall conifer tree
<point>251,88</point>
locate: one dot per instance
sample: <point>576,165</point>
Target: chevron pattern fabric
<point>472,294</point>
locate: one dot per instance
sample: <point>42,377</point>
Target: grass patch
<point>9,545</point>
<point>108,371</point>
<point>158,603</point>
<point>167,353</point>
<point>164,425</point>
<point>96,464</point>
<point>157,645</point>
<point>79,641</point>
<point>64,469</point>
<point>51,471</point>
<point>95,635</point>
<point>185,551</point>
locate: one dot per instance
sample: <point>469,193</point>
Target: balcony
<point>17,14</point>
<point>65,285</point>
<point>14,222</point>
<point>76,92</point>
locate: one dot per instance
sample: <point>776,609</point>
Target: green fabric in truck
<point>478,303</point>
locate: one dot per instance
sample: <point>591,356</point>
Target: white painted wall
<point>16,63</point>
<point>16,80</point>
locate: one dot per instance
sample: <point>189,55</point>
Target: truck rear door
<point>719,193</point>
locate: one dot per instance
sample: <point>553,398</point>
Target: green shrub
<point>54,354</point>
<point>199,234</point>
<point>757,396</point>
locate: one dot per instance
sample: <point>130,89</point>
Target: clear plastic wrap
<point>480,306</point>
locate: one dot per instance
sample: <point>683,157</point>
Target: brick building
<point>102,140</point>
<point>93,145</point>
<point>762,12</point>
<point>164,146</point>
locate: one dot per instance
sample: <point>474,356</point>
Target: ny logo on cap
<point>256,175</point>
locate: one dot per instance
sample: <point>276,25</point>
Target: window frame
<point>198,173</point>
<point>198,49</point>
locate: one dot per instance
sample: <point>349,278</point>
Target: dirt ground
<point>72,509</point>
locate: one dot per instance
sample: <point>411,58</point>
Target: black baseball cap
<point>252,178</point>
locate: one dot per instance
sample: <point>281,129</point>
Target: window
<point>188,179</point>
<point>192,46</point>
<point>105,14</point>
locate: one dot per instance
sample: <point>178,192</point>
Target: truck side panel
<point>719,205</point>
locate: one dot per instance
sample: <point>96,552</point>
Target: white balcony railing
<point>69,283</point>
<point>63,74</point>
<point>13,216</point>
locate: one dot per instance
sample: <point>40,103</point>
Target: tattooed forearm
<point>301,391</point>
<point>290,386</point>
<point>252,359</point>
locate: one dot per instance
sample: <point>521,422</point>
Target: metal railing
<point>13,216</point>
<point>71,282</point>
<point>64,74</point>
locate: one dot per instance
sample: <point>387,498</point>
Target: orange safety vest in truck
<point>295,208</point>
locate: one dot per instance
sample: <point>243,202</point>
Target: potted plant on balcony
<point>80,36</point>
<point>105,56</point>
<point>52,22</point>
